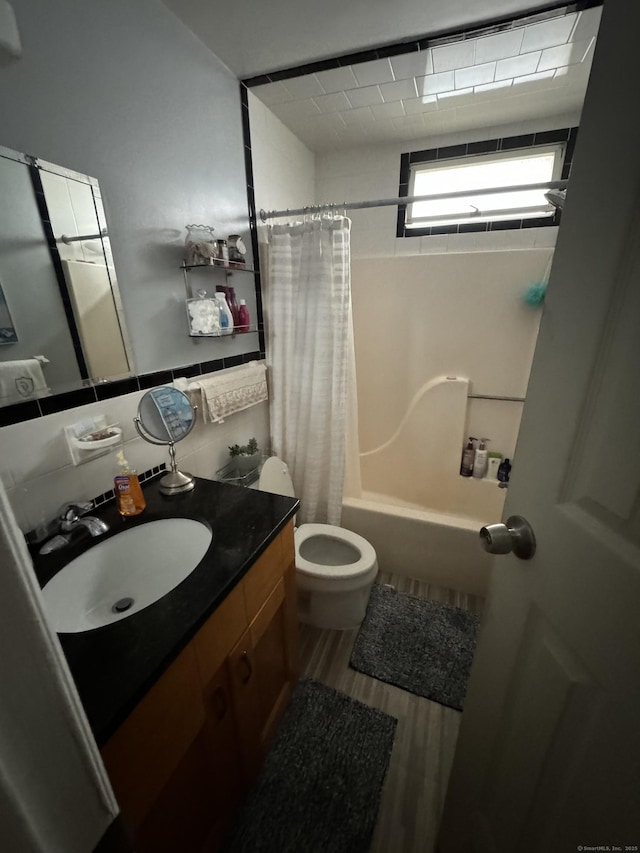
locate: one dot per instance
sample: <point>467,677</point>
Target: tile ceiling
<point>533,71</point>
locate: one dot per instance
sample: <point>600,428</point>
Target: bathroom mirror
<point>60,298</point>
<point>165,416</point>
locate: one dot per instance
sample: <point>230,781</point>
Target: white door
<point>548,757</point>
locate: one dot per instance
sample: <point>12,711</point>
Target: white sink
<point>143,563</point>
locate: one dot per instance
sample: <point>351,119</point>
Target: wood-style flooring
<point>413,794</point>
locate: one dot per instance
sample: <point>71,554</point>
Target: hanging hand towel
<point>22,380</point>
<point>233,390</point>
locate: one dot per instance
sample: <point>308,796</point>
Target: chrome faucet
<point>73,514</point>
<point>71,517</point>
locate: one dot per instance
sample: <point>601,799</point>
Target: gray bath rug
<point>421,646</point>
<point>320,786</point>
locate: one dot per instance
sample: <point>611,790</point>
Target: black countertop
<point>114,666</point>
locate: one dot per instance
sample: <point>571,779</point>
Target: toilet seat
<point>367,555</point>
<point>329,596</point>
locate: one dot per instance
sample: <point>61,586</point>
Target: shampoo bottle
<point>129,497</point>
<point>466,466</point>
<point>230,298</point>
<point>504,471</point>
<point>243,317</point>
<point>480,460</point>
<point>226,317</point>
<point>493,463</point>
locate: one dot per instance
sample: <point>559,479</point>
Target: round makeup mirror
<point>165,416</point>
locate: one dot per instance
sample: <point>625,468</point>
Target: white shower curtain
<point>310,354</point>
<point>55,796</point>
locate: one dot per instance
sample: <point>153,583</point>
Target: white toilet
<point>335,568</point>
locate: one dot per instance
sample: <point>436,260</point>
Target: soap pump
<point>466,466</point>
<point>480,460</point>
<point>129,497</point>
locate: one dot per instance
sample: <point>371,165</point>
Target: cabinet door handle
<point>245,664</point>
<point>220,704</point>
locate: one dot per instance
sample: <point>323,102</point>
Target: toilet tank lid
<point>275,478</point>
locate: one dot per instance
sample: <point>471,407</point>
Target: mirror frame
<point>151,398</point>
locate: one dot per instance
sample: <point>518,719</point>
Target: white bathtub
<point>439,547</point>
<point>419,514</point>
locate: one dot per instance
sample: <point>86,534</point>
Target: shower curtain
<point>311,359</point>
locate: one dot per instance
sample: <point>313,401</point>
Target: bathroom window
<point>476,167</point>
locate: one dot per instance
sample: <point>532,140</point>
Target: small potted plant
<point>245,456</point>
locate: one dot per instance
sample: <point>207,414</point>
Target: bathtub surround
<point>309,305</point>
<point>321,783</point>
<point>421,646</point>
<point>418,463</point>
<point>452,314</point>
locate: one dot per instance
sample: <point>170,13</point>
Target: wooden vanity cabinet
<point>182,762</point>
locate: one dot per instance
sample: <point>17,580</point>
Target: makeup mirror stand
<point>174,481</point>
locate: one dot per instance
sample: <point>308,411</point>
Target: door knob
<point>516,535</point>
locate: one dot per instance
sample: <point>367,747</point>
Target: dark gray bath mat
<point>421,646</point>
<point>320,786</point>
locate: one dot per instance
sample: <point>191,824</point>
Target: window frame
<point>474,151</point>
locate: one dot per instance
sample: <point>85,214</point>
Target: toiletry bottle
<point>504,471</point>
<point>230,296</point>
<point>226,317</point>
<point>129,497</point>
<point>480,460</point>
<point>493,463</point>
<point>243,317</point>
<point>466,466</point>
<point>233,306</point>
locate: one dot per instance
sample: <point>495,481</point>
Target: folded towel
<point>231,391</point>
<point>22,380</point>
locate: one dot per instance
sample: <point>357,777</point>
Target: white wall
<point>283,166</point>
<point>39,475</point>
<point>124,92</point>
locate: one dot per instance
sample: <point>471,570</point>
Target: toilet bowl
<point>335,568</point>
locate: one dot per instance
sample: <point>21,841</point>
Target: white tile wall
<point>283,167</point>
<point>376,71</point>
<point>535,59</point>
<point>366,95</point>
<point>337,79</point>
<point>39,476</point>
<point>415,64</point>
<point>373,172</point>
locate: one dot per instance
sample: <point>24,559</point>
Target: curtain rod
<point>408,199</point>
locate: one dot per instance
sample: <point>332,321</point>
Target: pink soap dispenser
<point>243,317</point>
<point>233,305</point>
